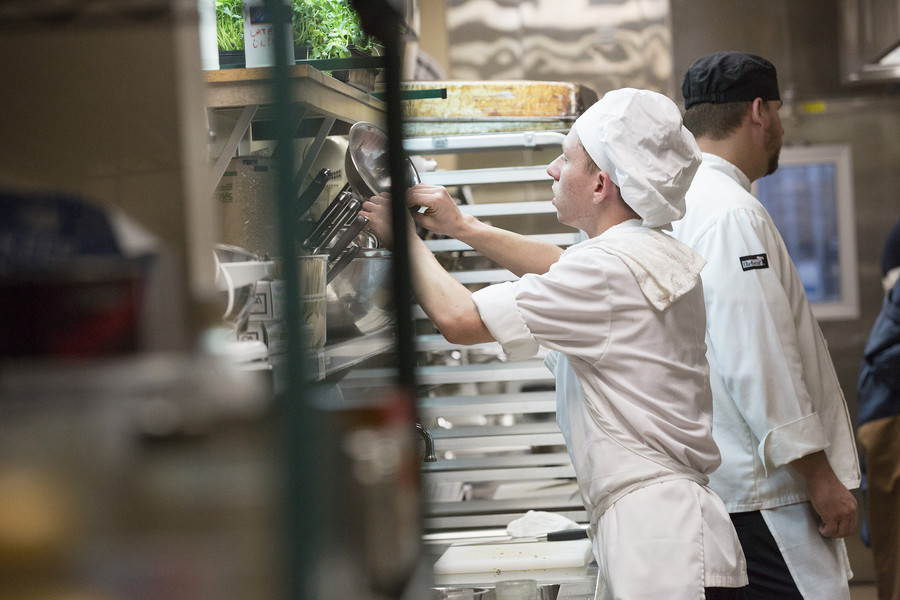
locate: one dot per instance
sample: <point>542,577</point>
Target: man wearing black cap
<point>780,419</point>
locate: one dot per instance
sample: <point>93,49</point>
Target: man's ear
<point>602,185</point>
<point>758,114</point>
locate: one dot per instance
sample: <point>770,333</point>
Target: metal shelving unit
<point>329,433</point>
<point>239,101</point>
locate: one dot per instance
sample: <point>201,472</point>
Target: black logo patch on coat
<point>754,261</point>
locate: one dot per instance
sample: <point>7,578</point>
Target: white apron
<point>795,529</point>
<point>674,554</point>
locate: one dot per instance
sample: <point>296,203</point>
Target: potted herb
<point>330,29</point>
<point>230,31</point>
<point>321,29</point>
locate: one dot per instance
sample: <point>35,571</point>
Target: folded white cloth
<point>665,268</point>
<point>535,523</point>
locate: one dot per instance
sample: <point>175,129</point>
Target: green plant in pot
<point>330,29</point>
<point>321,29</point>
<point>230,25</point>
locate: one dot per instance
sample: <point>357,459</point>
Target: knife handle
<point>343,260</point>
<point>567,534</point>
<point>308,197</point>
<point>327,219</point>
<point>347,236</point>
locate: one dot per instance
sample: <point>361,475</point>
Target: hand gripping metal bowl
<point>366,162</point>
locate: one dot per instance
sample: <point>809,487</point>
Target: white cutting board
<point>525,556</point>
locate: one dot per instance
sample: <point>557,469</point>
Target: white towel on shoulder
<point>665,268</point>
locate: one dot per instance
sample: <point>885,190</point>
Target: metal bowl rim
<point>354,168</point>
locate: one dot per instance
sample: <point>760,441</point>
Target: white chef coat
<point>776,394</point>
<point>633,403</point>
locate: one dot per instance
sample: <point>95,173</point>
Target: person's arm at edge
<point>515,252</point>
<point>832,501</point>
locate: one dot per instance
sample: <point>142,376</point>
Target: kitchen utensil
<point>347,236</point>
<point>359,299</point>
<point>335,204</point>
<point>554,536</point>
<point>327,218</point>
<point>306,199</point>
<point>237,271</point>
<point>343,260</point>
<point>347,213</point>
<point>565,534</point>
<point>366,163</point>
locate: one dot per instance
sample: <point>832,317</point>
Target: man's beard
<point>773,162</point>
<point>773,144</point>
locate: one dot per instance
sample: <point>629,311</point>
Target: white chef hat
<point>638,138</point>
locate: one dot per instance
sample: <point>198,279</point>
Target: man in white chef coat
<point>623,316</point>
<point>780,419</point>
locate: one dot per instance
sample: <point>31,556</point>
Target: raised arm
<point>517,253</point>
<point>447,302</point>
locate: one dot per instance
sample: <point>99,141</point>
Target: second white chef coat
<point>633,397</point>
<point>785,402</point>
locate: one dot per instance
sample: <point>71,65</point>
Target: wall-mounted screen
<point>810,198</point>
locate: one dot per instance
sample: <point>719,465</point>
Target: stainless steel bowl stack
<point>358,293</point>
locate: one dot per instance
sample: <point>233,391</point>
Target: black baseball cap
<point>729,77</point>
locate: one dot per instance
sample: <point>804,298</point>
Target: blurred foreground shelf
<point>333,361</point>
<point>336,358</point>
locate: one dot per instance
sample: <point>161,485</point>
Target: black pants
<point>718,593</point>
<point>769,576</point>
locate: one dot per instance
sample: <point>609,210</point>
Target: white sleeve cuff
<point>497,306</point>
<point>792,441</point>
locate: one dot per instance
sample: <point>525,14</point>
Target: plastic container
<point>209,45</point>
<point>248,195</point>
<point>259,34</point>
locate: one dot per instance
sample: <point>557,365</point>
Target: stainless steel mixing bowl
<point>359,300</point>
